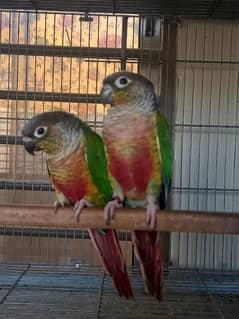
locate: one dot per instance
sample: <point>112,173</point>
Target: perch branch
<point>126,219</point>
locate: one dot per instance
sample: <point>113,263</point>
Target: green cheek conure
<point>78,170</point>
<point>140,159</point>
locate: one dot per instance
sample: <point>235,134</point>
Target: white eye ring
<point>122,81</point>
<point>40,131</point>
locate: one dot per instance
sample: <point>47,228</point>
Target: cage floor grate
<point>48,292</point>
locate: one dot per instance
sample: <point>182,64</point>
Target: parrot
<point>77,167</point>
<point>139,154</point>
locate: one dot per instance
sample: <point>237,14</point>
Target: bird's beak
<point>30,145</point>
<point>106,94</point>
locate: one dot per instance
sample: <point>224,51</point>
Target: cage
<point>54,56</point>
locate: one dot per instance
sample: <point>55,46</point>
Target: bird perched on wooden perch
<point>140,158</point>
<point>78,170</point>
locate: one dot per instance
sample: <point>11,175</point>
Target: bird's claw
<point>151,211</point>
<point>79,206</point>
<point>109,210</point>
<point>57,205</point>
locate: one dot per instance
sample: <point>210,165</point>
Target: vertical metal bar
<point>88,70</point>
<point>124,42</point>
<point>30,248</point>
<point>133,32</point>
<point>53,58</point>
<point>65,247</point>
<point>169,69</point>
<point>133,41</point>
<point>182,134</point>
<point>151,22</point>
<point>159,66</point>
<point>191,141</point>
<point>5,248</point>
<point>15,80</point>
<point>97,72</point>
<point>62,58</point>
<point>200,134</point>
<point>13,245</point>
<point>235,179</point>
<point>34,88</point>
<point>74,239</point>
<point>208,150</point>
<point>116,33</point>
<point>79,70</point>
<point>217,237</point>
<point>236,143</point>
<point>226,148</point>
<point>56,247</point>
<point>70,39</point>
<point>28,37</point>
<point>168,92</point>
<point>174,246</point>
<point>48,245</point>
<point>39,248</point>
<point>22,245</point>
<point>140,36</point>
<point>24,156</point>
<point>44,84</point>
<point>99,304</point>
<point>107,28</point>
<point>9,103</point>
<point>44,66</point>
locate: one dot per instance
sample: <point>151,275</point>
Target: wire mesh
<point>207,138</point>
<point>195,8</point>
<point>51,61</point>
<point>42,80</point>
<point>55,61</point>
<point>50,292</point>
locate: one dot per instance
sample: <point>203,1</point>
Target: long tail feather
<point>110,253</point>
<point>148,251</point>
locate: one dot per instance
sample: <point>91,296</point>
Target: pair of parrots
<point>131,165</point>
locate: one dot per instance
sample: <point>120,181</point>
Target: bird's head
<point>45,132</point>
<point>129,89</point>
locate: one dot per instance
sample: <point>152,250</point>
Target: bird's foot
<point>58,204</point>
<point>79,206</point>
<point>109,210</point>
<point>151,210</point>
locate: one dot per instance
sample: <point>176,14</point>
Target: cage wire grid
<point>50,292</point>
<point>40,53</point>
<point>193,8</point>
<point>206,138</point>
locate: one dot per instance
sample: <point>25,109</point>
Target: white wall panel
<point>206,174</point>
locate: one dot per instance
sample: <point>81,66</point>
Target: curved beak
<point>30,145</point>
<point>106,94</point>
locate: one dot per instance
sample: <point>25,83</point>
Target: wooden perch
<point>125,219</point>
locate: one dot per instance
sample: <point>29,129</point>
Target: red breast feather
<point>132,172</point>
<point>71,177</point>
<point>129,148</point>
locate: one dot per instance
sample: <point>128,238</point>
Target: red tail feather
<point>148,251</point>
<point>111,256</point>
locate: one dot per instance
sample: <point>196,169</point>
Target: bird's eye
<point>40,131</point>
<point>122,82</point>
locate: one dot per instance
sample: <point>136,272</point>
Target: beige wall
<point>207,157</point>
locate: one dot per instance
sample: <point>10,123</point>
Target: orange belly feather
<point>71,176</point>
<point>133,154</point>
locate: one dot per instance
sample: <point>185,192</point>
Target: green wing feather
<point>97,163</point>
<point>165,150</point>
